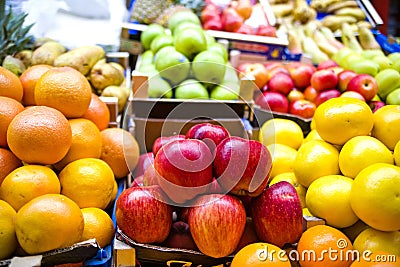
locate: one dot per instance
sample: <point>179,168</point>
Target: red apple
<point>310,93</point>
<point>344,78</point>
<point>138,181</point>
<point>242,166</point>
<point>180,237</point>
<point>209,133</point>
<point>270,65</point>
<point>183,214</point>
<point>273,101</point>
<point>266,30</point>
<point>217,222</point>
<point>281,83</point>
<point>336,70</point>
<point>143,215</point>
<point>144,161</point>
<point>301,74</point>
<point>150,176</point>
<point>277,215</point>
<point>324,79</point>
<point>325,95</point>
<point>209,12</point>
<point>364,84</point>
<point>245,29</point>
<point>184,169</point>
<point>327,64</point>
<point>231,20</point>
<point>249,235</point>
<point>302,108</point>
<point>162,140</point>
<point>256,71</point>
<point>353,94</point>
<point>273,71</point>
<point>375,105</point>
<point>295,95</point>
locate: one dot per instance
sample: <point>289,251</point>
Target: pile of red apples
<point>298,88</point>
<point>208,191</point>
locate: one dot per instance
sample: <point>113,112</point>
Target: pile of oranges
<point>59,161</point>
<point>346,171</point>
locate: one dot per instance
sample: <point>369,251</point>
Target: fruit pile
<point>185,62</point>
<point>59,163</point>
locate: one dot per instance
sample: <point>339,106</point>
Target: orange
<point>39,135</point>
<point>387,125</point>
<point>28,80</point>
<point>316,242</point>
<point>10,85</point>
<point>98,112</point>
<point>64,89</point>
<point>283,157</point>
<point>259,255</point>
<point>341,118</point>
<point>8,163</point>
<point>86,142</point>
<point>375,241</point>
<point>315,159</point>
<point>48,222</point>
<point>9,108</point>
<point>328,198</point>
<point>377,259</point>
<point>8,239</point>
<point>281,131</point>
<point>375,196</point>
<point>26,183</point>
<point>89,182</point>
<point>97,224</point>
<point>360,152</point>
<point>120,150</point>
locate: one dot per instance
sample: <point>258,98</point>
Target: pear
<point>119,92</point>
<point>14,65</point>
<point>25,56</point>
<point>47,53</point>
<point>105,74</point>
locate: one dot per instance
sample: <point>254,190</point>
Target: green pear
<point>14,65</point>
<point>341,54</point>
<point>387,80</point>
<point>364,66</point>
<point>119,92</point>
<point>383,62</point>
<point>159,88</point>
<point>371,53</point>
<point>172,65</point>
<point>105,74</point>
<point>191,89</point>
<point>151,32</point>
<point>209,67</point>
<point>394,56</point>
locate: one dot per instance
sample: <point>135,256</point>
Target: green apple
<point>231,74</point>
<point>147,58</point>
<point>365,66</point>
<point>350,58</point>
<point>209,67</point>
<point>370,53</point>
<point>219,48</point>
<point>396,64</point>
<point>172,65</point>
<point>151,32</point>
<point>190,42</point>
<point>394,56</point>
<point>383,62</point>
<point>161,41</point>
<point>341,54</point>
<point>150,70</point>
<point>182,16</point>
<point>184,25</point>
<point>159,88</point>
<point>393,98</point>
<point>388,80</point>
<point>210,39</point>
<point>191,89</point>
<point>225,91</point>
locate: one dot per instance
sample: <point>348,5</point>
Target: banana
<point>349,39</point>
<point>340,4</point>
<point>367,39</point>
<point>352,12</point>
<point>334,22</point>
<point>311,48</point>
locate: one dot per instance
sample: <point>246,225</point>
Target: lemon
<point>315,159</point>
<point>378,241</point>
<point>98,225</point>
<point>375,196</point>
<point>341,118</point>
<point>283,157</point>
<point>360,152</point>
<point>387,125</point>
<point>396,154</point>
<point>281,131</point>
<point>8,239</point>
<point>328,198</point>
<point>291,178</point>
<point>312,135</point>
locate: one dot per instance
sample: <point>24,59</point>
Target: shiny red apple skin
<point>217,222</point>
<point>344,78</point>
<point>144,161</point>
<point>162,140</point>
<point>275,70</point>
<point>180,237</point>
<point>302,108</point>
<point>301,75</point>
<point>249,235</point>
<point>256,71</point>
<point>281,83</point>
<point>324,79</point>
<point>327,64</point>
<point>150,176</point>
<point>143,215</point>
<point>375,105</point>
<point>273,101</point>
<point>209,133</point>
<point>353,94</point>
<point>295,95</point>
<point>242,166</point>
<point>137,181</point>
<point>310,93</point>
<point>277,215</point>
<point>364,84</point>
<point>184,169</point>
<point>325,95</point>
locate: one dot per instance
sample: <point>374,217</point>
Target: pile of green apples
<point>385,69</point>
<point>183,61</point>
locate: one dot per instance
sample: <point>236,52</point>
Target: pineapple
<point>147,11</point>
<point>13,35</point>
